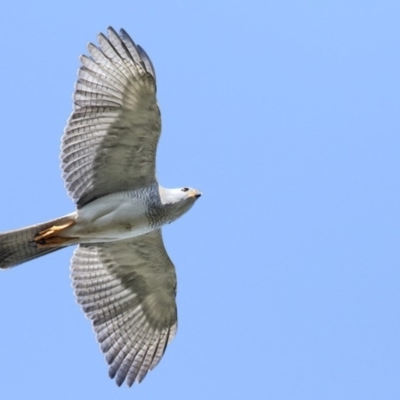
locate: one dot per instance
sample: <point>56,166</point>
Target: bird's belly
<point>114,217</point>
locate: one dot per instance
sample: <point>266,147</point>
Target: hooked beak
<point>195,194</point>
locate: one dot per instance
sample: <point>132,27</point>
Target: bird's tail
<point>18,246</point>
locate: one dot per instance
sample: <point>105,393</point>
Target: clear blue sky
<point>286,115</point>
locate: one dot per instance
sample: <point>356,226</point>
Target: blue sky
<point>286,115</point>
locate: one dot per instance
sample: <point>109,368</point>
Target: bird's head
<point>178,201</point>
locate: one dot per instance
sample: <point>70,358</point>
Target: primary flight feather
<point>121,273</point>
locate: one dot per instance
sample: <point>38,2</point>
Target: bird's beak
<point>195,194</point>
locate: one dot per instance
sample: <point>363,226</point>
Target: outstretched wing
<point>128,288</point>
<point>110,141</point>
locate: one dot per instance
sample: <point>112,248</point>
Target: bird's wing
<point>110,141</point>
<point>127,289</point>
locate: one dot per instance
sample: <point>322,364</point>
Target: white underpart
<point>113,217</point>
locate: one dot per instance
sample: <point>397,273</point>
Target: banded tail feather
<point>17,246</point>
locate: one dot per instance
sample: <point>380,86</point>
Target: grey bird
<point>121,273</point>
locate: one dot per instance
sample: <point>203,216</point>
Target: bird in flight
<point>121,273</point>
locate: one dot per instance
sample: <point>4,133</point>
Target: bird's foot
<point>50,237</point>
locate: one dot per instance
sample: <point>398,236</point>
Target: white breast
<point>113,217</point>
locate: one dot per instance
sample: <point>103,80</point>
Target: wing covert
<point>127,289</point>
<point>110,141</point>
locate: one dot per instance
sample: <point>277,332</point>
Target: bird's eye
<point>185,189</point>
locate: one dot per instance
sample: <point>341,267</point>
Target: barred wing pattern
<point>110,141</point>
<point>127,289</point>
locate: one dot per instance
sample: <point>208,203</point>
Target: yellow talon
<point>49,237</point>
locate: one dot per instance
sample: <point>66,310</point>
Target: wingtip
<point>124,34</point>
<point>111,29</point>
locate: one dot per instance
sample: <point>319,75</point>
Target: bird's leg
<point>49,237</point>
